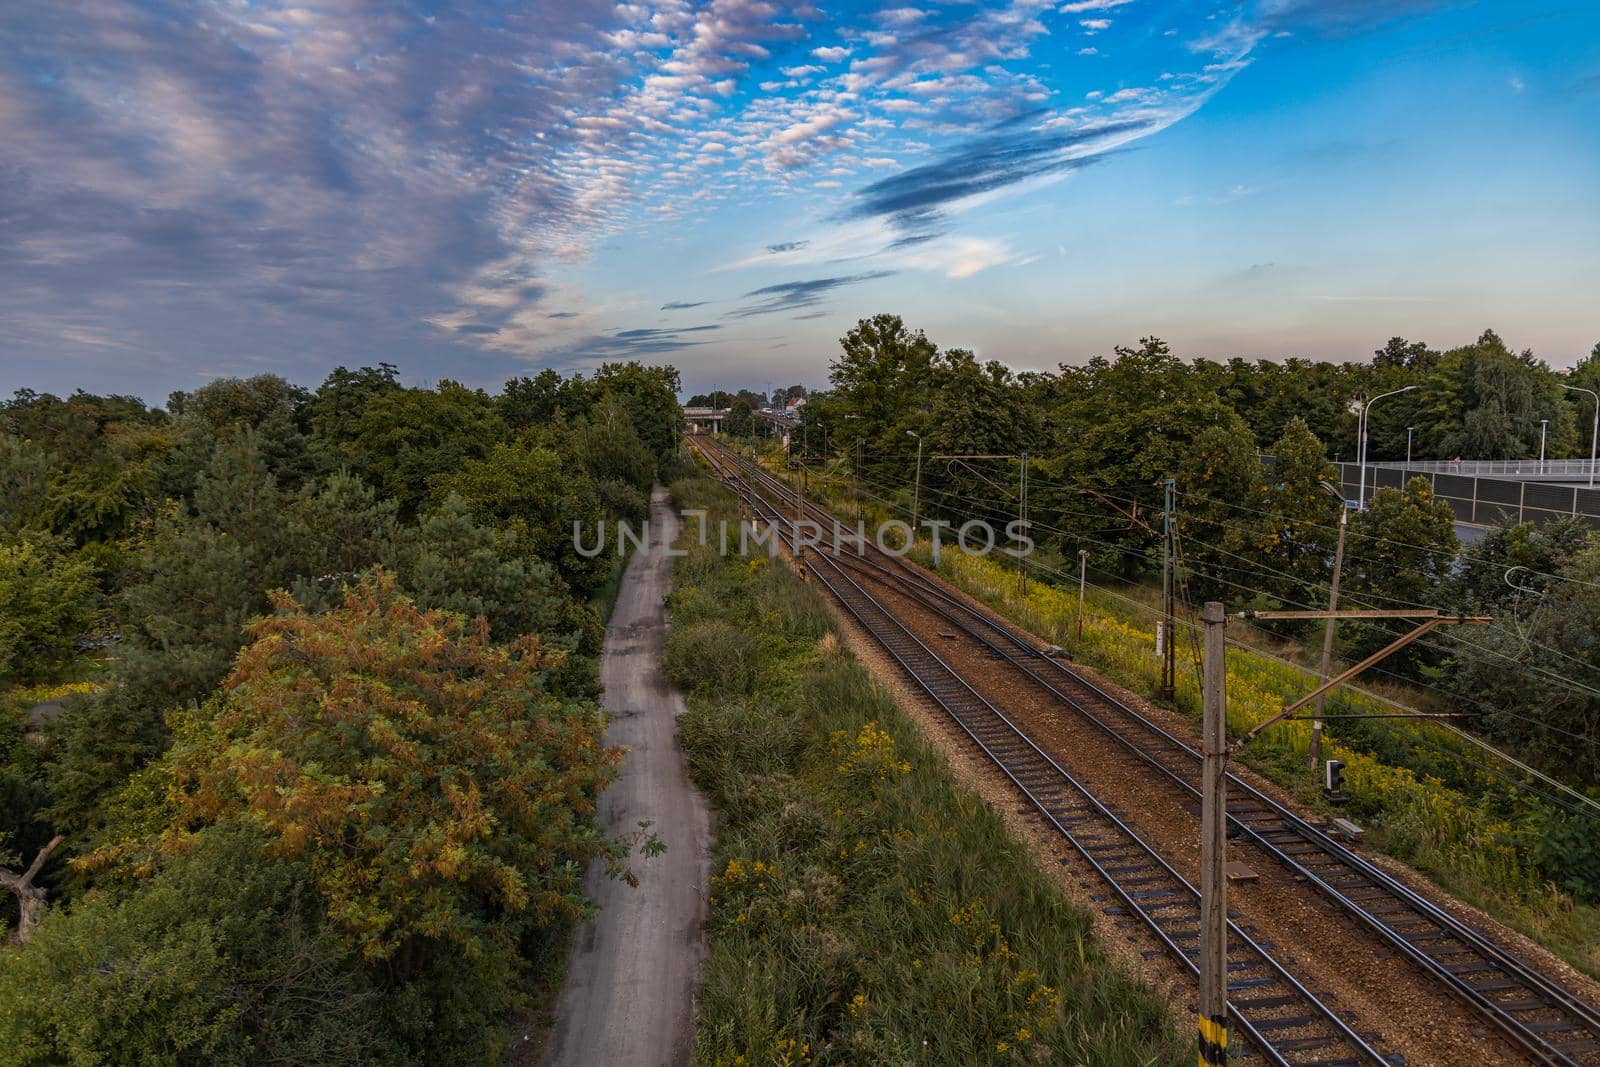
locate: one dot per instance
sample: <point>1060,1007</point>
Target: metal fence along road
<point>1481,500</point>
<point>1570,470</point>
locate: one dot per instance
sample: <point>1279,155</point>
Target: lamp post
<point>1408,444</point>
<point>1594,435</point>
<point>1366,411</point>
<point>1544,429</point>
<point>916,493</point>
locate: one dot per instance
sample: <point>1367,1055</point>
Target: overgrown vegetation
<point>1464,828</point>
<point>865,909</point>
<point>306,683</point>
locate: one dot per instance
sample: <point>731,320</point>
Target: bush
<point>219,959</point>
<point>711,656</point>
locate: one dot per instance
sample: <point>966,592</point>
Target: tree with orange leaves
<point>437,793</point>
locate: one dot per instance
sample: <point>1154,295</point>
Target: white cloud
<point>1091,5</point>
<point>831,54</point>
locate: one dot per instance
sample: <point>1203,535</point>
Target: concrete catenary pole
<point>916,492</point>
<point>1213,1017</point>
<point>1314,756</point>
<point>1166,637</point>
<point>1083,573</point>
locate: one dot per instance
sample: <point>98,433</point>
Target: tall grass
<point>865,908</point>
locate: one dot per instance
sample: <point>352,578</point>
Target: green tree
<point>337,533</point>
<point>333,413</point>
<point>528,490</point>
<point>976,409</point>
<point>1536,670</point>
<point>26,469</point>
<point>1300,531</point>
<point>1219,520</point>
<point>407,437</point>
<point>461,566</point>
<point>1118,429</point>
<point>740,418</point>
<point>232,403</point>
<point>1484,401</point>
<point>883,377</point>
<point>547,397</point>
<point>1400,552</point>
<point>611,450</point>
<point>48,600</point>
<point>650,397</point>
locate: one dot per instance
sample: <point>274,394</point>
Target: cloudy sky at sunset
<point>478,189</point>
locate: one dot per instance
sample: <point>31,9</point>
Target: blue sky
<point>480,189</point>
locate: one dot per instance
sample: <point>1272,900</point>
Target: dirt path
<point>628,997</point>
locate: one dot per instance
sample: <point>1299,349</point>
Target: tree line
<point>330,792</point>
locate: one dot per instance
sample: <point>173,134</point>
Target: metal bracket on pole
<point>1429,623</point>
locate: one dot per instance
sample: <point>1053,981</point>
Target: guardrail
<point>1549,468</point>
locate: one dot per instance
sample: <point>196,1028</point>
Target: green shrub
<point>715,656</point>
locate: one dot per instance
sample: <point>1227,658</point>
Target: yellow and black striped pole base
<point>1213,1040</point>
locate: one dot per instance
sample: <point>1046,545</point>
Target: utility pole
<point>1213,1016</point>
<point>1022,520</point>
<point>1083,571</point>
<point>1314,756</point>
<point>916,493</point>
<point>1166,646</point>
<point>855,474</point>
<point>1544,427</point>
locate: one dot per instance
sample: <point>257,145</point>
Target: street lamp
<point>916,493</point>
<point>1544,428</point>
<point>1408,444</point>
<point>1594,436</point>
<point>1366,410</point>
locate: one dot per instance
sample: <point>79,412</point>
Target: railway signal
<point>1333,785</point>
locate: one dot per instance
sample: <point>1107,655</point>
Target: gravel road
<point>631,977</point>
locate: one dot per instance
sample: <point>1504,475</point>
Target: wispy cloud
<point>791,296</point>
<point>912,198</point>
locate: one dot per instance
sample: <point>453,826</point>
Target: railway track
<point>1545,1021</point>
<point>1279,1017</point>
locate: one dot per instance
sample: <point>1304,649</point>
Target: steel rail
<point>1523,1003</point>
<point>1272,1010</point>
<point>1329,866</point>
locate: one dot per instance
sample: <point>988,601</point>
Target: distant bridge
<point>704,420</point>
